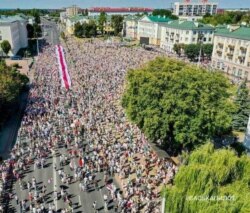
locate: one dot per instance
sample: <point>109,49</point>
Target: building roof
<point>131,18</point>
<point>120,9</point>
<point>77,18</point>
<point>158,19</point>
<point>240,33</point>
<point>10,19</point>
<point>188,25</point>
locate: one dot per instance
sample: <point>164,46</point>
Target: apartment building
<point>231,52</point>
<point>149,30</point>
<point>13,29</point>
<point>194,9</point>
<point>72,11</point>
<point>130,25</point>
<point>185,32</point>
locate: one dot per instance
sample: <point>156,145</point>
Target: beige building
<point>130,25</point>
<point>72,11</point>
<point>231,52</point>
<point>71,21</point>
<point>185,32</point>
<point>149,30</point>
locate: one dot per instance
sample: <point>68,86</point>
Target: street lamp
<point>200,39</point>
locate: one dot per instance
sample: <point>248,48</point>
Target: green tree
<point>30,31</point>
<point>207,50</point>
<point>178,48</point>
<point>78,30</point>
<point>11,84</point>
<point>211,181</point>
<point>180,104</point>
<point>6,47</point>
<point>62,34</point>
<point>117,23</point>
<point>242,113</point>
<point>164,13</point>
<point>192,51</point>
<point>101,21</point>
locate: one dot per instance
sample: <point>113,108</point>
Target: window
<point>210,39</point>
<point>204,39</point>
<point>193,39</point>
<point>240,72</point>
<point>0,38</point>
<point>194,32</point>
<point>246,74</point>
<point>187,32</point>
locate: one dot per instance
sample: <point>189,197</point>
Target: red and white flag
<point>63,70</point>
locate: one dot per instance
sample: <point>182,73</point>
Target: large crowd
<point>86,129</point>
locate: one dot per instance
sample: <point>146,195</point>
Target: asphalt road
<point>82,200</point>
<point>50,31</point>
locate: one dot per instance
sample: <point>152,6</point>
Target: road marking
<point>54,178</point>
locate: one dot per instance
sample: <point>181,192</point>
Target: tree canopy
<point>227,18</point>
<point>86,30</point>
<point>212,180</point>
<point>164,12</point>
<point>117,23</point>
<point>11,83</point>
<point>178,103</point>
<point>6,47</point>
<point>242,101</point>
<point>101,21</point>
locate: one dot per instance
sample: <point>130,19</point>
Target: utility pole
<point>200,38</point>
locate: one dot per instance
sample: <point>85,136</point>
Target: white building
<point>63,17</point>
<point>149,30</point>
<point>185,32</point>
<point>72,11</point>
<point>231,52</point>
<point>13,29</point>
<point>194,9</point>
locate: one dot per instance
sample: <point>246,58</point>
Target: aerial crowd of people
<point>83,137</point>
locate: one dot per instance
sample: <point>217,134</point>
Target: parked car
<point>16,57</point>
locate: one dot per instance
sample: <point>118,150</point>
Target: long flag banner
<point>63,70</point>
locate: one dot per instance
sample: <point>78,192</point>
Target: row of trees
<point>86,30</point>
<point>11,84</point>
<point>192,51</point>
<point>90,29</point>
<point>227,18</point>
<point>164,13</point>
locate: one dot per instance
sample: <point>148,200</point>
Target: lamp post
<point>200,38</point>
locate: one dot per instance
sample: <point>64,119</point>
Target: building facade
<point>194,8</point>
<point>13,29</point>
<point>185,32</point>
<point>231,52</point>
<point>149,30</point>
<point>130,27</point>
<point>93,11</point>
<point>72,11</point>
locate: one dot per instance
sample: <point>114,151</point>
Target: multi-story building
<point>93,11</point>
<point>185,32</point>
<point>130,25</point>
<point>72,11</point>
<point>13,29</point>
<point>149,30</point>
<point>194,9</point>
<point>231,52</point>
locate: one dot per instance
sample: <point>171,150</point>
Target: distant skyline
<point>53,4</point>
